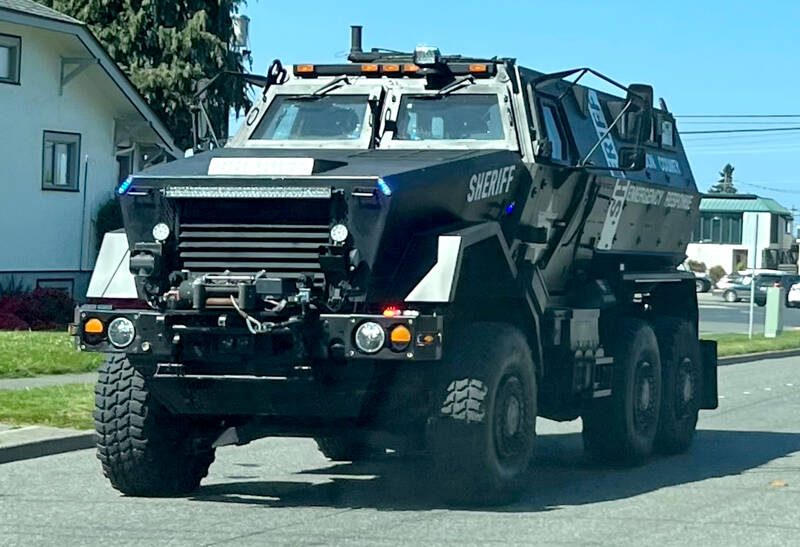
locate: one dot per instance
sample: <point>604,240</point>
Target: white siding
<point>40,229</point>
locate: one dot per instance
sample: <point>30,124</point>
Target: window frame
<point>561,127</point>
<point>5,40</point>
<point>67,138</point>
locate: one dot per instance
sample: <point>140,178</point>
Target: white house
<point>71,127</point>
<point>732,227</point>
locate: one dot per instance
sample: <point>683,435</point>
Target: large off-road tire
<point>682,376</point>
<point>345,449</point>
<point>622,428</point>
<point>483,432</point>
<point>145,450</point>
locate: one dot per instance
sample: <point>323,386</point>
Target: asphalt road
<point>717,316</point>
<point>738,485</point>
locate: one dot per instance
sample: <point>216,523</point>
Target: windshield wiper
<point>336,83</point>
<point>454,85</point>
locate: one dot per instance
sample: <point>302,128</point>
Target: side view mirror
<point>636,126</point>
<point>632,158</point>
<point>637,122</point>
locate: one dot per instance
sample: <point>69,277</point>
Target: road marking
<point>767,389</point>
<point>789,385</point>
<point>746,393</point>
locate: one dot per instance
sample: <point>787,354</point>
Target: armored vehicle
<point>409,252</point>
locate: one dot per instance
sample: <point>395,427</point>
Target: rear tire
<point>622,428</point>
<point>145,450</point>
<point>483,434</point>
<point>682,376</point>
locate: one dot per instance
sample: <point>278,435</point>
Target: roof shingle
<point>34,8</point>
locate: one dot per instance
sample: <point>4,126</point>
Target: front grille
<point>283,250</point>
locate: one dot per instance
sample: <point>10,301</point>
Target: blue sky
<point>703,57</point>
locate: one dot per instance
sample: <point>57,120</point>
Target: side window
<point>555,133</point>
<point>60,161</point>
<point>10,50</point>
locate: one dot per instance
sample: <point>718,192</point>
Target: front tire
<point>730,296</point>
<point>682,376</point>
<point>145,450</point>
<point>622,428</point>
<point>483,433</point>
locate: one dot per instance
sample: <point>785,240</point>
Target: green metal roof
<point>742,203</point>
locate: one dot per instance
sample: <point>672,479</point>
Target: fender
<point>475,263</point>
<point>112,278</point>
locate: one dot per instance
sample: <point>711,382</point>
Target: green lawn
<point>740,344</point>
<point>57,406</point>
<point>26,354</point>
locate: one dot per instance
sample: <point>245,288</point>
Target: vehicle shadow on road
<point>562,476</point>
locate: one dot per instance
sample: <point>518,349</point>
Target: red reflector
<point>391,312</point>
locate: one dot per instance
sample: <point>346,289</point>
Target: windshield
<point>329,117</point>
<point>450,117</point>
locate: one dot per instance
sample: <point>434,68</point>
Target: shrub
<point>741,266</point>
<point>12,322</point>
<point>716,273</point>
<point>696,266</point>
<point>46,309</point>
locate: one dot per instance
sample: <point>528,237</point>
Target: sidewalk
<point>44,381</point>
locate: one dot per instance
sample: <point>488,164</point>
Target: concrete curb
<point>33,442</point>
<point>748,357</point>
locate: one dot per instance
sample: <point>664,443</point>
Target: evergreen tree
<point>725,183</point>
<point>165,46</point>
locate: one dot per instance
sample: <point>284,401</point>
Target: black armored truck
<point>413,252</point>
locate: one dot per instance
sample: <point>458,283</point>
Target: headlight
<point>339,233</point>
<point>121,332</point>
<point>161,232</point>
<point>370,337</point>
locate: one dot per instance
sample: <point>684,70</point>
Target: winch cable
<point>257,327</point>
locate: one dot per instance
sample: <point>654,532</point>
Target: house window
<point>719,228</point>
<point>60,161</point>
<point>10,49</point>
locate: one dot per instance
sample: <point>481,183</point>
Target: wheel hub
<point>685,388</point>
<point>511,435</point>
<point>644,411</point>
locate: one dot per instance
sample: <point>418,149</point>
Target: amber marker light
<point>478,68</point>
<point>400,337</point>
<point>410,68</point>
<point>391,68</point>
<point>93,326</point>
<point>369,68</point>
<point>304,69</point>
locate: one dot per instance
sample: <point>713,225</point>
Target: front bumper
<point>178,336</point>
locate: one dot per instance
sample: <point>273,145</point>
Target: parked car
<point>726,282</point>
<point>765,281</point>
<point>793,297</point>
<point>702,282</point>
<point>736,289</point>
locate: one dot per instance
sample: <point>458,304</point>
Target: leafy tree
<point>725,183</point>
<point>165,46</point>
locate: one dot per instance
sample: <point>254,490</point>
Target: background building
<point>72,127</point>
<point>731,227</point>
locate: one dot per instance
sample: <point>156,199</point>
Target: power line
<point>738,116</point>
<point>721,131</point>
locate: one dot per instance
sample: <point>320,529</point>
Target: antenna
<point>355,41</point>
